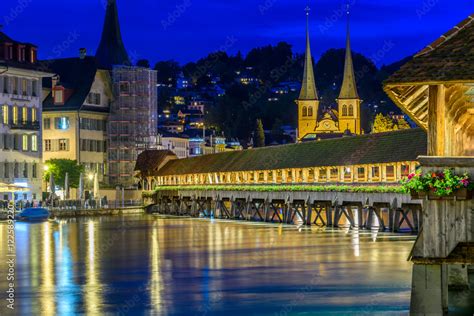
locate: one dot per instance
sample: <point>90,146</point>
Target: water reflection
<point>188,267</point>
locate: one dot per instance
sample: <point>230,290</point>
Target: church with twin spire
<point>315,123</point>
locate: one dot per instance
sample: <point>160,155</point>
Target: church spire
<point>349,86</point>
<point>308,88</point>
<point>111,49</point>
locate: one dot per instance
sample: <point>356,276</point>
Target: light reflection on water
<point>169,266</point>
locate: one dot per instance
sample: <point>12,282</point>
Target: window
<point>34,143</point>
<point>15,115</point>
<point>323,174</point>
<point>15,85</point>
<point>24,86</point>
<point>61,123</point>
<point>344,110</point>
<point>93,98</point>
<point>6,170</point>
<point>59,96</point>
<point>16,170</point>
<point>16,141</point>
<point>347,174</point>
<point>34,170</point>
<point>34,88</point>
<point>25,143</point>
<point>310,111</point>
<point>25,170</point>
<point>334,174</point>
<point>6,82</point>
<point>63,145</point>
<point>5,118</point>
<point>361,173</point>
<point>305,111</point>
<point>24,114</point>
<point>47,123</point>
<point>124,88</point>
<point>34,115</point>
<point>47,145</point>
<point>390,171</point>
<point>375,172</point>
<point>351,110</point>
<point>405,170</point>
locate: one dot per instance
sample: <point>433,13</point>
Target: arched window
<point>351,110</point>
<point>310,111</point>
<point>305,111</point>
<point>344,110</point>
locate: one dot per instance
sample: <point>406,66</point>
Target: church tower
<point>308,101</point>
<point>111,49</point>
<point>349,101</point>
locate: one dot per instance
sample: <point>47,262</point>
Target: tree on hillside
<point>168,72</point>
<point>59,167</point>
<point>259,134</point>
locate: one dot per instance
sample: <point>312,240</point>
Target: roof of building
<point>308,86</point>
<point>349,85</point>
<point>449,58</point>
<point>150,160</point>
<point>78,75</point>
<point>111,49</point>
<point>405,145</point>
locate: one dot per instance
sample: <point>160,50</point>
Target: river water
<point>148,265</point>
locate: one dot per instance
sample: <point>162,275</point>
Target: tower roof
<point>111,49</point>
<point>308,87</point>
<point>349,85</point>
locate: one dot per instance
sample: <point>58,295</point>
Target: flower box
<point>460,195</point>
<point>415,195</point>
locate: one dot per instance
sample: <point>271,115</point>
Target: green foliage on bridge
<point>280,188</point>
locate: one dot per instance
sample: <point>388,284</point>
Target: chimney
<point>82,53</point>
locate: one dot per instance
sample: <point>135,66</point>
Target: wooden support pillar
<point>429,294</point>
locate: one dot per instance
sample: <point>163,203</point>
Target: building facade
<point>75,113</point>
<point>316,123</point>
<point>20,115</point>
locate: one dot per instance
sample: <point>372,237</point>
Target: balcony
<point>28,125</point>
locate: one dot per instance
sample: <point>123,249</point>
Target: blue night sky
<point>185,30</point>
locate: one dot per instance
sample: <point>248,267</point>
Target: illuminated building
<point>20,114</point>
<point>75,113</point>
<point>315,123</point>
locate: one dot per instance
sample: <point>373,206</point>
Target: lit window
<point>61,123</point>
<point>25,143</point>
<point>15,115</point>
<point>34,143</point>
<point>34,116</point>
<point>5,114</point>
<point>24,114</point>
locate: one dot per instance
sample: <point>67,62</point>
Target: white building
<point>20,125</point>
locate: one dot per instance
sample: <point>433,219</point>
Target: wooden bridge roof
<point>399,146</point>
<point>448,59</point>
